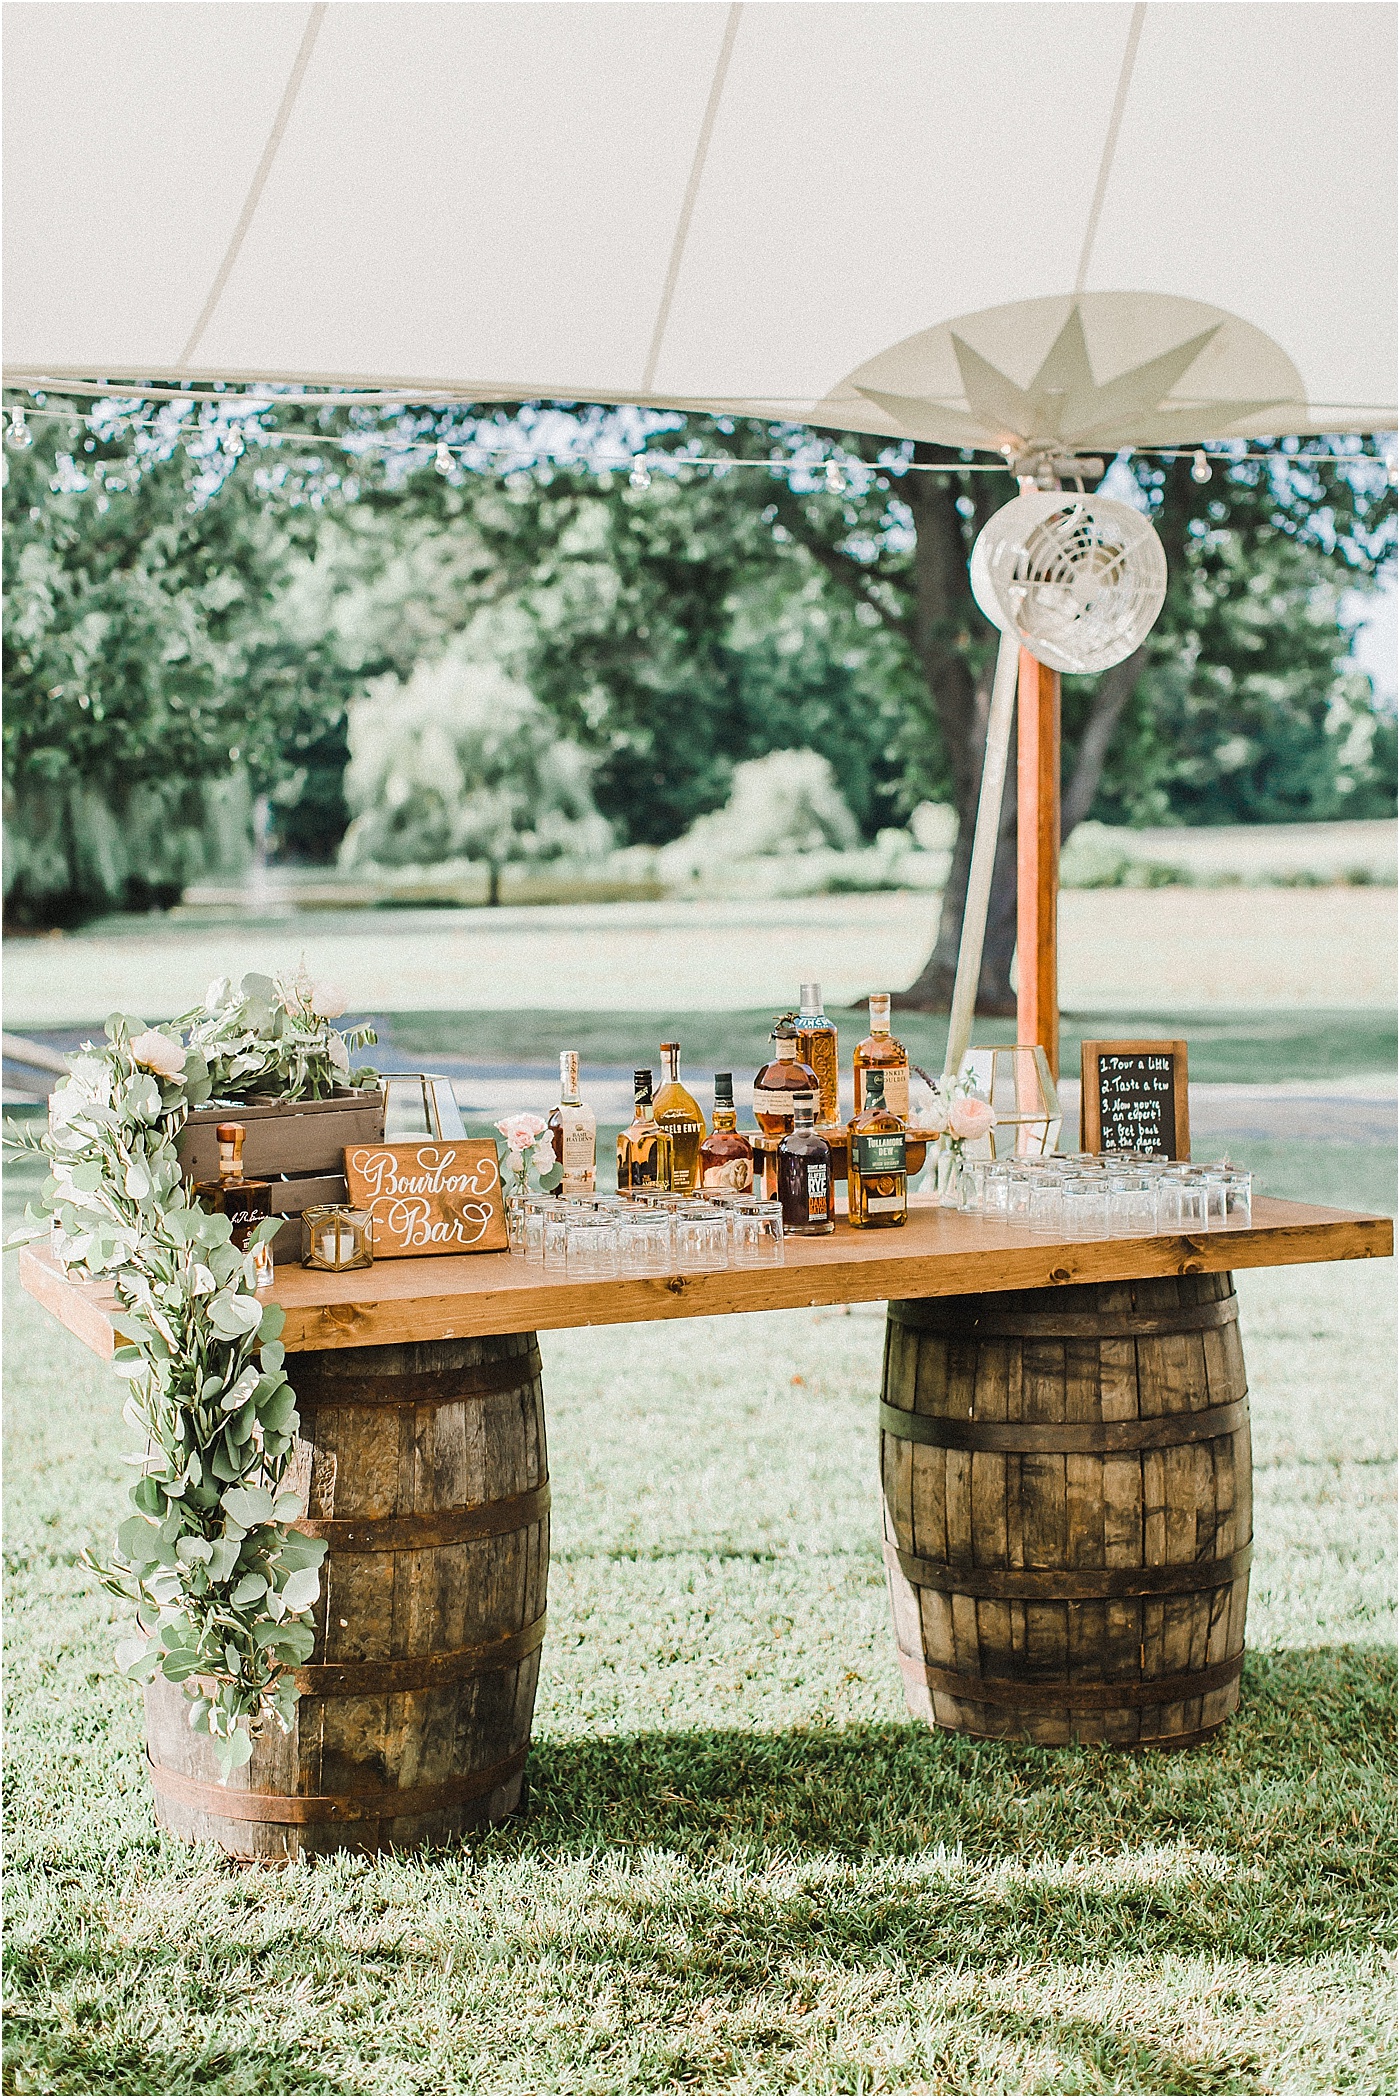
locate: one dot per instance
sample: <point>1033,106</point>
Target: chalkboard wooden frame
<point>1090,1119</point>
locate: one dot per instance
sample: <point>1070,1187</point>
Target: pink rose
<point>971,1117</point>
<point>520,1131</point>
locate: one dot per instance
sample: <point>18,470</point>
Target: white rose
<point>156,1052</point>
<point>515,1162</point>
<point>544,1155</point>
<point>216,997</point>
<point>337,1052</point>
<point>327,999</point>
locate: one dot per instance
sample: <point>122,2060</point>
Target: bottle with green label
<point>876,1174</point>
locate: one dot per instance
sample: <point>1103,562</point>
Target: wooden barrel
<point>424,1468</point>
<point>1067,1510</point>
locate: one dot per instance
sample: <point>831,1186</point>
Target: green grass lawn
<point>1246,1048</point>
<point>744,1868</point>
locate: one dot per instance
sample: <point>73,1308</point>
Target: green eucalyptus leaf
<point>274,1318</point>
<point>273,1355</point>
<point>248,1505</point>
<point>300,1589</point>
<point>248,1590</point>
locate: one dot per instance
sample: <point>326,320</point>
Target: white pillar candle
<point>336,1246</point>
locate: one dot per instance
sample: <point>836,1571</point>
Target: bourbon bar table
<point>1064,1464</point>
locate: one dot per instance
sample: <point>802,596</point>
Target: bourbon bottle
<point>777,1085</point>
<point>244,1202</point>
<point>643,1149</point>
<point>805,1186</point>
<point>880,1052</point>
<point>816,1045</point>
<point>876,1174</point>
<point>681,1118</point>
<point>574,1128</point>
<point>726,1156</point>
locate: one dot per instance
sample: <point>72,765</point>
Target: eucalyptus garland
<point>223,1587</point>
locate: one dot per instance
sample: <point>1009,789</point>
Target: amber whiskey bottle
<point>244,1202</point>
<point>876,1173</point>
<point>805,1187</point>
<point>880,1052</point>
<point>683,1121</point>
<point>777,1085</point>
<point>643,1149</point>
<point>726,1156</point>
<point>817,1047</point>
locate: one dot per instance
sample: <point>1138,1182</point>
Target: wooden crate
<point>299,1145</point>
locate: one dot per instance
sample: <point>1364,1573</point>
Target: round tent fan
<point>1078,580</point>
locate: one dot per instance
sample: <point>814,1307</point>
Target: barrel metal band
<point>385,1804</point>
<point>1077,1584</point>
<point>328,1386</point>
<point>1158,1431</point>
<point>432,1528</point>
<point>1130,1695</point>
<point>932,1315</point>
<point>418,1671</point>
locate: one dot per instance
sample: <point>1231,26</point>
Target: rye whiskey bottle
<point>777,1085</point>
<point>876,1176</point>
<point>681,1118</point>
<point>816,1045</point>
<point>804,1176</point>
<point>643,1149</point>
<point>726,1156</point>
<point>574,1128</point>
<point>244,1202</point>
<point>880,1052</point>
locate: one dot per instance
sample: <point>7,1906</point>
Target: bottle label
<point>896,1091</point>
<point>818,1192</point>
<point>883,1205</point>
<point>882,1152</point>
<point>776,1103</point>
<point>729,1176</point>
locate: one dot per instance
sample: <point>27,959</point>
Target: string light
<point>18,435</point>
<point>1200,468</point>
<point>233,442</point>
<point>640,476</point>
<point>836,482</point>
<point>443,459</point>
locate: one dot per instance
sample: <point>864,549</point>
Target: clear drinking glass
<point>1239,1197</point>
<point>537,1208</point>
<point>994,1184</point>
<point>1018,1197</point>
<point>756,1230</point>
<point>701,1238</point>
<point>556,1235</point>
<point>591,1246</point>
<point>972,1186</point>
<point>644,1243</point>
<point>1047,1203</point>
<point>1085,1202</point>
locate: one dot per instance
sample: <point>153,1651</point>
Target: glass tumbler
<point>701,1238</point>
<point>1018,1196</point>
<point>644,1243</point>
<point>1239,1197</point>
<point>1047,1203</point>
<point>756,1234</point>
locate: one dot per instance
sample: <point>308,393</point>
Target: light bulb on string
<point>640,476</point>
<point>233,442</point>
<point>1200,468</point>
<point>18,435</point>
<point>443,459</point>
<point>835,478</point>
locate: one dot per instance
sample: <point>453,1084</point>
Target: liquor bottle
<point>574,1128</point>
<point>805,1186</point>
<point>681,1118</point>
<point>644,1149</point>
<point>777,1085</point>
<point>244,1202</point>
<point>876,1177</point>
<point>880,1052</point>
<point>726,1156</point>
<point>816,1045</point>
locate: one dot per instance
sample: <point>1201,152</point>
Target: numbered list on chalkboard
<point>1137,1103</point>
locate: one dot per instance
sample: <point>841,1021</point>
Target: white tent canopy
<point>769,208</point>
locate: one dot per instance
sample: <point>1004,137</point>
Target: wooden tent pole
<point>1038,857</point>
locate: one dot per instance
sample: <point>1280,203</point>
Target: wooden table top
<point>938,1253</point>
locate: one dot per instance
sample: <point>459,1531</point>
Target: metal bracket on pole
<point>984,853</point>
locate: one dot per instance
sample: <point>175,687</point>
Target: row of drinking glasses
<point>1118,1195</point>
<point>652,1234</point>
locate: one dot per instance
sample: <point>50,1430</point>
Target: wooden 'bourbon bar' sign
<point>1133,1097</point>
<point>429,1197</point>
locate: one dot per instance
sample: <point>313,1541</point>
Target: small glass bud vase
<point>336,1239</point>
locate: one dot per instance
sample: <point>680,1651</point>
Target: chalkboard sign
<point>1133,1097</point>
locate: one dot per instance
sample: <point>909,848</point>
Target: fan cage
<point>1079,580</point>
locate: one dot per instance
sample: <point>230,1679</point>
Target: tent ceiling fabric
<point>971,222</point>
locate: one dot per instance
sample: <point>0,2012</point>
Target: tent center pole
<point>1038,857</point>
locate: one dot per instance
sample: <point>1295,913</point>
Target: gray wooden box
<point>299,1145</point>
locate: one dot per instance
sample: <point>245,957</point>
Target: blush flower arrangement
<point>957,1115</point>
<point>528,1143</point>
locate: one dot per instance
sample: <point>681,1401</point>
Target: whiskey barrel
<point>1067,1510</point>
<point>424,1468</point>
